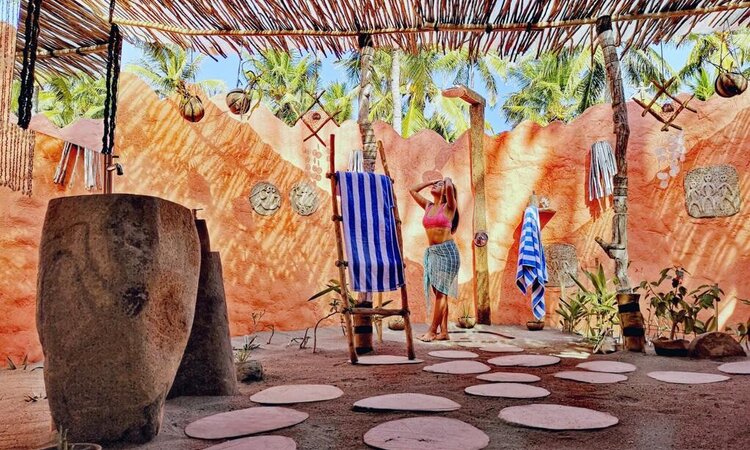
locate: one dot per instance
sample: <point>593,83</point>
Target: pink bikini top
<point>439,220</point>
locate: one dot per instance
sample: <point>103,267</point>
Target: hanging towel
<point>62,165</point>
<point>603,170</point>
<point>532,267</point>
<point>356,161</point>
<point>372,251</point>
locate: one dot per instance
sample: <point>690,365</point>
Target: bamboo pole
<point>399,237</point>
<point>340,253</point>
<point>479,222</point>
<point>59,53</point>
<point>428,27</point>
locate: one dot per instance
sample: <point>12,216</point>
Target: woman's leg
<point>437,317</point>
<point>443,335</point>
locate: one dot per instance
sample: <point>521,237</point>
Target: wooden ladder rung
<point>378,312</point>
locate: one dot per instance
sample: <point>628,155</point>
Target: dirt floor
<point>653,415</point>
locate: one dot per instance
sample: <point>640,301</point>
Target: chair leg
<point>409,339</point>
<point>350,337</point>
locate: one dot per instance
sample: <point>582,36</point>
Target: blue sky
<point>226,69</point>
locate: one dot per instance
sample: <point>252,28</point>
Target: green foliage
<point>168,67</point>
<point>742,330</point>
<point>466,310</point>
<point>677,306</point>
<point>12,366</point>
<point>65,98</point>
<point>62,439</point>
<point>600,304</point>
<point>572,312</point>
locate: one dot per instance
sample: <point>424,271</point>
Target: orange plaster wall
<point>274,264</point>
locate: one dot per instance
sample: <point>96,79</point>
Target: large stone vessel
<point>116,289</point>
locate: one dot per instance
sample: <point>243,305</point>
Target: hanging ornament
<point>730,84</point>
<point>191,108</point>
<point>671,152</point>
<point>240,100</point>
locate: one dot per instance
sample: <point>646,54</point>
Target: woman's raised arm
<point>414,191</point>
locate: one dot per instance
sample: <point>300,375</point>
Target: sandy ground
<point>653,415</point>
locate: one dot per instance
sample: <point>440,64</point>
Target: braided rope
<point>114,53</point>
<point>31,36</point>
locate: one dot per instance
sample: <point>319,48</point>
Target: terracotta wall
<point>274,264</point>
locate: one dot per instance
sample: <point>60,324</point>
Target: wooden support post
<point>345,307</point>
<point>363,324</point>
<point>476,145</point>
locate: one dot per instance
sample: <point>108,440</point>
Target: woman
<point>441,259</point>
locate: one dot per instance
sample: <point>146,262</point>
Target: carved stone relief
<point>712,191</point>
<point>304,198</point>
<point>265,198</point>
<point>561,261</point>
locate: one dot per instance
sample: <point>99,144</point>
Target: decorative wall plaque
<point>304,198</point>
<point>562,262</point>
<point>712,191</point>
<point>265,198</point>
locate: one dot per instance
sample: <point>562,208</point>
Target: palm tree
<point>285,81</point>
<point>168,67</point>
<point>339,101</point>
<point>63,99</point>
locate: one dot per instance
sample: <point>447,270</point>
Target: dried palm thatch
<point>512,27</point>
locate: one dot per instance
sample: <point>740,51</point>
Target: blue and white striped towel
<point>602,171</point>
<point>532,267</point>
<point>375,262</point>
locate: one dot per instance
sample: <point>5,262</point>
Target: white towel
<point>603,170</point>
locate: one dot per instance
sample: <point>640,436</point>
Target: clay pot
<point>466,322</point>
<point>191,108</point>
<point>729,84</point>
<point>535,325</point>
<point>669,347</point>
<point>239,101</point>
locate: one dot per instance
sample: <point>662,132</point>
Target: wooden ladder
<point>346,309</point>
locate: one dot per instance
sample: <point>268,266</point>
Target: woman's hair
<point>454,223</point>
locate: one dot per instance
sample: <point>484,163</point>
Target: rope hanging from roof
<point>114,55</point>
<point>16,144</point>
<point>31,36</point>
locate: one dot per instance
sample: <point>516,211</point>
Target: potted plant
<point>466,319</point>
<point>63,444</point>
<point>673,307</point>
<point>598,307</point>
<point>535,325</point>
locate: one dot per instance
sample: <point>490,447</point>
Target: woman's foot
<point>428,337</point>
<point>442,337</point>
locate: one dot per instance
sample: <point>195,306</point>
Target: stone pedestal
<point>207,368</point>
<point>116,290</point>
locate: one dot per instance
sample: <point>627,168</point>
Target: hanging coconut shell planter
<point>190,106</point>
<point>730,84</point>
<point>240,100</point>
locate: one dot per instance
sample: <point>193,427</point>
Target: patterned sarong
<point>441,263</point>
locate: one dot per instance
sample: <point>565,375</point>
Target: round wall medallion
<point>480,239</point>
<point>265,198</point>
<point>304,198</point>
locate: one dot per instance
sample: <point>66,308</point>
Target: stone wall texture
<point>275,263</point>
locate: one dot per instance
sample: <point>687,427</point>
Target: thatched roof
<point>513,27</point>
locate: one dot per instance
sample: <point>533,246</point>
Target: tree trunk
<point>618,248</point>
<point>363,323</point>
<point>396,89</point>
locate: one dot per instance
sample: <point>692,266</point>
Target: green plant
<point>466,311</point>
<point>742,330</point>
<point>62,439</point>
<point>677,306</point>
<point>599,304</point>
<point>12,366</point>
<point>572,312</point>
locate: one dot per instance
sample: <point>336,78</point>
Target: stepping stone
<point>738,368</point>
<point>524,360</point>
<point>297,393</point>
<point>474,344</point>
<point>687,377</point>
<point>407,402</point>
<point>426,433</point>
<point>243,422</point>
<point>607,366</point>
<point>256,442</point>
<point>557,417</point>
<point>509,377</point>
<point>501,348</point>
<point>386,360</point>
<point>453,354</point>
<point>591,377</point>
<point>458,367</point>
<point>507,390</point>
